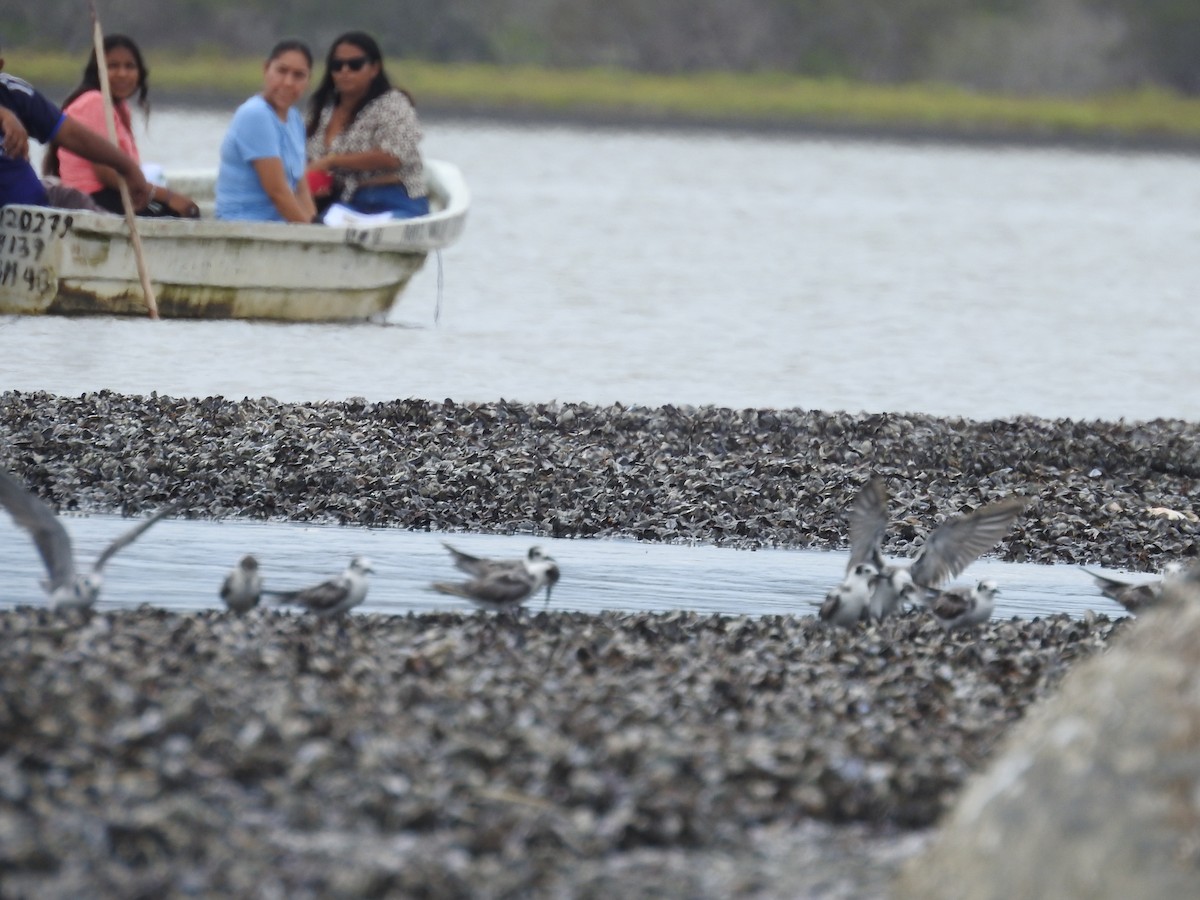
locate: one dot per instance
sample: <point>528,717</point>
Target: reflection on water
<point>710,268</point>
<point>179,564</point>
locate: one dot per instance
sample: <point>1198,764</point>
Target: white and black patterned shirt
<point>388,123</point>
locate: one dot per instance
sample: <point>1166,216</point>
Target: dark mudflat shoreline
<point>1118,494</point>
<point>970,134</point>
<point>146,753</point>
<point>818,129</point>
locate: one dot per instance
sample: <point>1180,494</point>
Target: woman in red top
<point>127,75</point>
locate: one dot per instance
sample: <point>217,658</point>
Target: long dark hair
<point>91,82</point>
<point>326,94</point>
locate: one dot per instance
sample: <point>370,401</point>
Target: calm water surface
<point>688,268</point>
<point>712,268</point>
<point>180,563</point>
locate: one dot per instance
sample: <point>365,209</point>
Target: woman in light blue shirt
<point>261,176</point>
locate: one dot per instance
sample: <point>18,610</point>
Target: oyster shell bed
<point>148,753</point>
<point>1117,494</point>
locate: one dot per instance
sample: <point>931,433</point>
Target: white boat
<point>72,262</point>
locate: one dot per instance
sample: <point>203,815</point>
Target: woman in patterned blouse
<point>363,135</point>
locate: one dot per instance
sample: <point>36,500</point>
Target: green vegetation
<point>55,73</point>
<point>752,99</point>
<point>1070,48</point>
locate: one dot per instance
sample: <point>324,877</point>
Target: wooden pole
<point>110,118</point>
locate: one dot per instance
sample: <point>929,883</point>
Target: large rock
<point>1097,793</point>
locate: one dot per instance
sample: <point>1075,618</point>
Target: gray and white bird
<point>333,596</point>
<point>242,587</point>
<point>845,604</point>
<point>946,552</point>
<point>65,587</point>
<point>962,607</point>
<point>1136,595</point>
<point>501,585</point>
<point>479,566</point>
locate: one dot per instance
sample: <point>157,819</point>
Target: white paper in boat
<point>154,174</point>
<point>340,216</point>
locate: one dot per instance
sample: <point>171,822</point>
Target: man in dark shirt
<point>25,112</point>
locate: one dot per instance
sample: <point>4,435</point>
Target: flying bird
<point>1136,595</point>
<point>946,552</point>
<point>65,587</point>
<point>502,584</point>
<point>962,607</point>
<point>242,587</point>
<point>333,596</point>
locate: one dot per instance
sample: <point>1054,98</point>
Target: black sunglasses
<point>354,65</point>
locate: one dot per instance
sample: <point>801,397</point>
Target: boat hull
<point>67,262</point>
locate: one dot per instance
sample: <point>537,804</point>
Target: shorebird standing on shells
<point>962,607</point>
<point>845,604</point>
<point>65,587</point>
<point>242,587</point>
<point>333,596</point>
<point>502,584</point>
<point>1136,595</point>
<point>946,552</point>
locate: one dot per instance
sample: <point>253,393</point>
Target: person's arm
<point>391,123</point>
<point>88,111</point>
<point>294,206</point>
<point>180,204</point>
<point>94,148</point>
<point>16,137</point>
<point>367,160</point>
<point>305,197</point>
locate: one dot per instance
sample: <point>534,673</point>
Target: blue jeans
<point>393,198</point>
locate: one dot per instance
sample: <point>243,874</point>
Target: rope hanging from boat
<point>437,310</point>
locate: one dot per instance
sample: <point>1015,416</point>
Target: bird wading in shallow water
<point>946,552</point>
<point>333,596</point>
<point>242,587</point>
<point>501,585</point>
<point>962,607</point>
<point>480,567</point>
<point>1136,595</point>
<point>65,586</point>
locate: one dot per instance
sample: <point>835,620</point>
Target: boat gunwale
<point>75,234</point>
<point>416,235</point>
